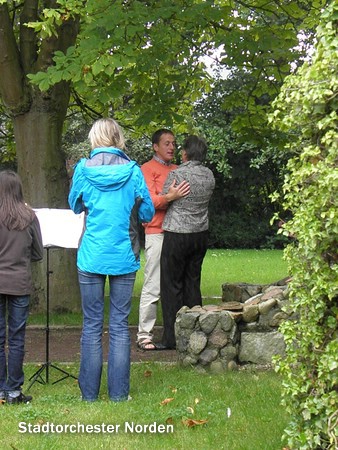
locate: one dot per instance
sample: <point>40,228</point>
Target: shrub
<point>308,107</point>
<point>237,230</point>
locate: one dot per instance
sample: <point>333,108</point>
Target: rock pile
<point>242,329</point>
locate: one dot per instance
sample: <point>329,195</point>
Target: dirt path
<point>64,346</point>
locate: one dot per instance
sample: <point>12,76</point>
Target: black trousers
<point>181,264</point>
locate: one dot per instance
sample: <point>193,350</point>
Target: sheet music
<point>60,227</point>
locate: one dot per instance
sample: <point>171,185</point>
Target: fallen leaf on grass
<point>147,373</point>
<point>14,448</point>
<point>169,421</point>
<point>190,410</point>
<point>192,423</point>
<point>166,401</point>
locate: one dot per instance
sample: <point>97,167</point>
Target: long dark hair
<point>15,214</point>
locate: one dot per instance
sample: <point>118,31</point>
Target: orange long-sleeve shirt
<point>155,175</point>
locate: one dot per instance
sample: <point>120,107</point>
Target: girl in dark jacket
<point>20,243</point>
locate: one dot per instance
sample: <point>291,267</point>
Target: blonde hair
<point>106,133</point>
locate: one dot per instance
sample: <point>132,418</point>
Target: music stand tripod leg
<point>37,376</point>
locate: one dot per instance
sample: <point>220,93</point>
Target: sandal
<point>146,346</point>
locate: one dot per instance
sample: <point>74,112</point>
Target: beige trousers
<point>150,294</point>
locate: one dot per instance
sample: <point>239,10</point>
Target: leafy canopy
<point>144,61</point>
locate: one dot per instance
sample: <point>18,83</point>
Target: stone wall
<point>242,329</point>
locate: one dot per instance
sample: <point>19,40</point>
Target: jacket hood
<point>107,176</point>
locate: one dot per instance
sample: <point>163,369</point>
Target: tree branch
<point>66,36</point>
<point>12,81</point>
<point>28,39</point>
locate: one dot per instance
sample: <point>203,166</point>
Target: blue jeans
<point>11,372</point>
<point>92,293</point>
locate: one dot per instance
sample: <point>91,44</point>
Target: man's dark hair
<point>155,139</point>
<point>195,148</point>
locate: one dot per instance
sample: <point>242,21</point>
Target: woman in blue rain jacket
<point>110,189</point>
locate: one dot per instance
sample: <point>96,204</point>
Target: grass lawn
<point>242,412</point>
<point>234,266</point>
<point>232,411</point>
<point>219,266</point>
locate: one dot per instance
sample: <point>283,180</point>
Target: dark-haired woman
<point>185,239</point>
<point>20,243</point>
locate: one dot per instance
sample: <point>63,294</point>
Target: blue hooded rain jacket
<point>111,189</point>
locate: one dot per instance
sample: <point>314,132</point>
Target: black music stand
<point>37,376</point>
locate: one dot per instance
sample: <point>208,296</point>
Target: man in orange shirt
<point>155,173</point>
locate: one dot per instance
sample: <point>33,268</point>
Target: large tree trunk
<point>38,119</point>
<point>41,165</point>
